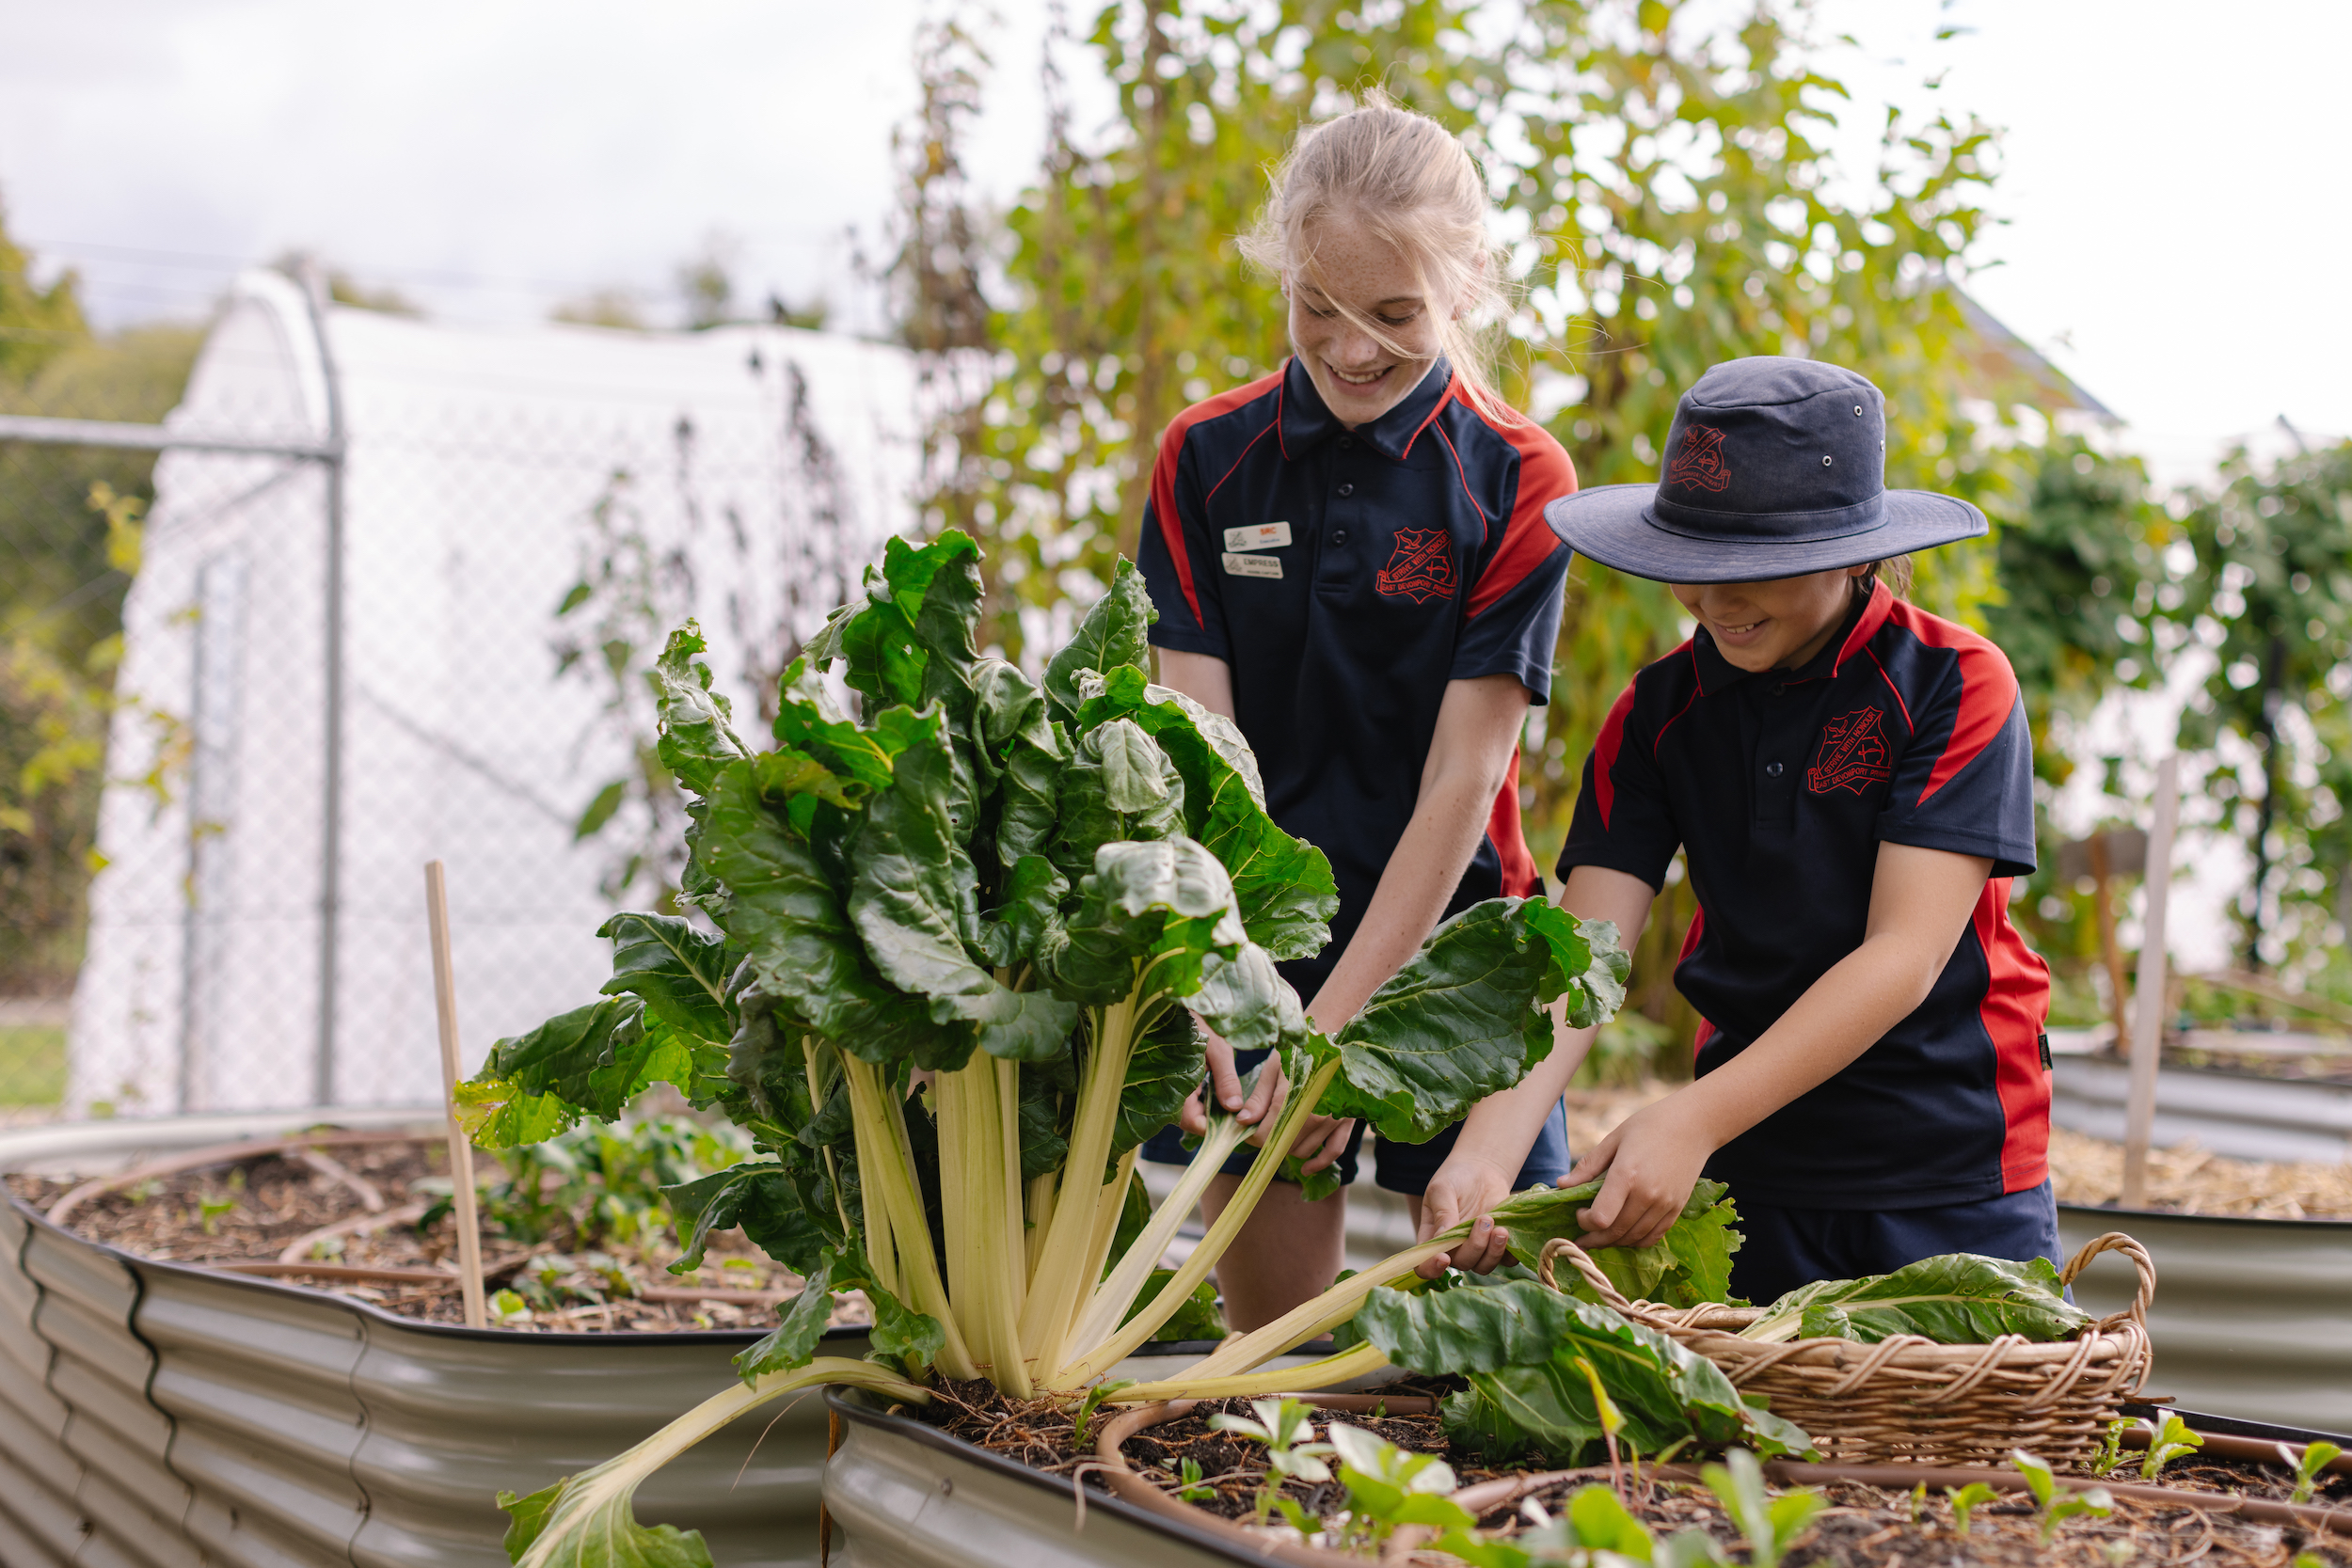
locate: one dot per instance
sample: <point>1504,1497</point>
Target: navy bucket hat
<point>1774,468</point>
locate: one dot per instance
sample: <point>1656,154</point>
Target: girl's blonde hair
<point>1401,175</point>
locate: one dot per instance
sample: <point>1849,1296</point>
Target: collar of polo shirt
<point>1863,617</point>
<point>1307,421</point>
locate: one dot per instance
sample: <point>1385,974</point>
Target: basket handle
<point>1560,1246</point>
<point>2115,1241</point>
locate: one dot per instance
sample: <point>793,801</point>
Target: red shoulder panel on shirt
<point>1605,750</point>
<point>1545,474</point>
<point>1988,690</point>
<point>1164,473</point>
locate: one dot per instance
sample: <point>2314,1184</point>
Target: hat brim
<point>1613,525</point>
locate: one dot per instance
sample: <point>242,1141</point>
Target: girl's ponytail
<point>1403,177</point>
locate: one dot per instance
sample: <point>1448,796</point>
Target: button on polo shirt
<point>1347,576</point>
<point>1780,787</point>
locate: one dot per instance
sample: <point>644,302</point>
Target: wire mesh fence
<point>395,598</point>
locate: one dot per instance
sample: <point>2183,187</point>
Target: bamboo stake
<point>460,1147</point>
<point>2148,1029</point>
<point>2103,904</point>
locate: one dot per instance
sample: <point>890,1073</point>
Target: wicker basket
<point>1909,1398</point>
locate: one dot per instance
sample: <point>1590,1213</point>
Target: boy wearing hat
<point>1850,781</point>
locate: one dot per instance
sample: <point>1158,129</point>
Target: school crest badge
<point>1852,755</point>
<point>1699,461</point>
<point>1422,567</point>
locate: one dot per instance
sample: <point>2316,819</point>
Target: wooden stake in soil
<point>2148,1029</point>
<point>460,1147</point>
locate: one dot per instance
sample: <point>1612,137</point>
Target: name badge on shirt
<point>1251,565</point>
<point>1258,536</point>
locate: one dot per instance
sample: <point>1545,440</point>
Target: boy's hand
<point>1652,1160</point>
<point>1465,1186</point>
<point>1226,1084</point>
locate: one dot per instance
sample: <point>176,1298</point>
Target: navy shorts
<point>1401,1167</point>
<point>1786,1248</point>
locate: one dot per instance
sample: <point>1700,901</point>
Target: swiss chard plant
<point>956,957</point>
<point>1959,1298</point>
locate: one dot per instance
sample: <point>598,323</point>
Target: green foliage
<point>2053,1507</point>
<point>2110,1454</point>
<point>2273,596</point>
<point>1520,1346</point>
<point>1387,1486</point>
<point>2309,1466</point>
<point>1690,1263</point>
<point>1965,1500</point>
<point>1188,1474</point>
<point>1959,1298</point>
<point>1286,1427</point>
<point>1770,1524</point>
<point>2166,1444</point>
<point>1200,1318</point>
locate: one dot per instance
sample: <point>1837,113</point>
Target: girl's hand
<point>1463,1186</point>
<point>1652,1160</point>
<point>1226,1084</point>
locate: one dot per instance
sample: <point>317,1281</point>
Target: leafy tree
<point>68,543</point>
<point>2274,588</point>
<point>1675,205</point>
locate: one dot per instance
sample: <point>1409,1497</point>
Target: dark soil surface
<point>249,1210</point>
<point>1864,1527</point>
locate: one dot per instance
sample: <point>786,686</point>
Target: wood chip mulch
<point>248,1212</point>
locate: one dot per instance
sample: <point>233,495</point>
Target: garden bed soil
<point>1864,1527</point>
<point>248,1211</point>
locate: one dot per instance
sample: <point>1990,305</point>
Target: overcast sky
<point>2175,234</point>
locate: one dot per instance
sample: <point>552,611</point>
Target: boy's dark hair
<point>1895,571</point>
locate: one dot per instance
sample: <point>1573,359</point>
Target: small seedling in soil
<point>1086,1407</point>
<point>2316,1459</point>
<point>1770,1524</point>
<point>507,1309</point>
<point>2166,1444</point>
<point>1387,1486</point>
<point>1188,1472</point>
<point>213,1207</point>
<point>1596,1529</point>
<point>2110,1454</point>
<point>2055,1511</point>
<point>1918,1504</point>
<point>1965,1500</point>
<point>1280,1425</point>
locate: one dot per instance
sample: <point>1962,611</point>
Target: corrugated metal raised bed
<point>2232,1114</point>
<point>2252,1318</point>
<point>160,1414</point>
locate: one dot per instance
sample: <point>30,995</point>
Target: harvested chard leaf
<point>1519,1343</point>
<point>1959,1298</point>
<point>1690,1263</point>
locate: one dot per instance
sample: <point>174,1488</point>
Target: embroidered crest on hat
<point>1852,755</point>
<point>1422,567</point>
<point>1699,462</point>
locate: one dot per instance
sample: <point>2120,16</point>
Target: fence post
<point>2148,1028</point>
<point>331,783</point>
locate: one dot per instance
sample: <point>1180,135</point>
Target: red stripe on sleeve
<point>1605,753</point>
<point>1505,830</point>
<point>1545,474</point>
<point>1164,475</point>
<point>2016,1003</point>
<point>1988,691</point>
<point>1705,1031</point>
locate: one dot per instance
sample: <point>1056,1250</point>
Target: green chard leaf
<point>1282,884</point>
<point>1690,1263</point>
<point>1118,786</point>
<point>1113,633</point>
<point>912,642</point>
<point>913,898</point>
<point>1959,1298</point>
<point>1019,753</point>
<point>695,739</point>
<point>1162,1072</point>
<point>591,1061</point>
<point>787,914</point>
<point>1455,1024</point>
<point>800,1323</point>
<point>1200,1318</point>
<point>1167,903</point>
<point>680,973</point>
<point>1519,1346</point>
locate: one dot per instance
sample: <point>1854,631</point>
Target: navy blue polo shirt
<point>1780,786</point>
<point>1347,576</point>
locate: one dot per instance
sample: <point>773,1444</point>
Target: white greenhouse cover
<point>742,475</point>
